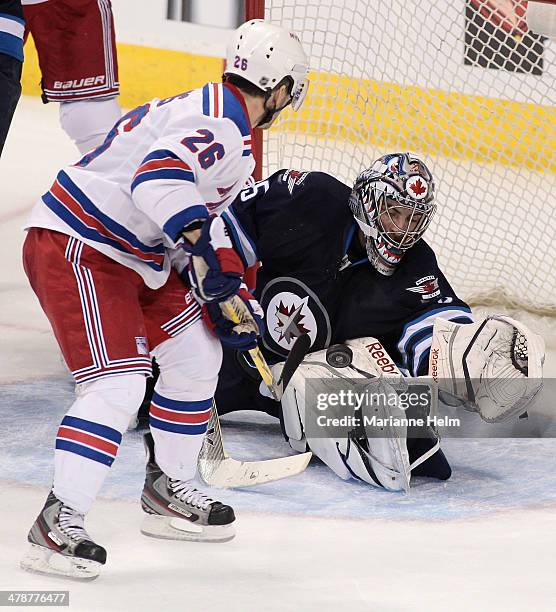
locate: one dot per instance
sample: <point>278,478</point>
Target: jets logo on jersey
<point>293,178</point>
<point>292,309</point>
<point>427,287</point>
<point>289,315</point>
<point>289,321</point>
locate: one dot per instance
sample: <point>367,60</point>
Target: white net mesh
<point>465,86</point>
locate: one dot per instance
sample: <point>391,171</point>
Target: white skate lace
<point>185,493</point>
<point>71,523</point>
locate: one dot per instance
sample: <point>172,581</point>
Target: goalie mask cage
<point>467,87</point>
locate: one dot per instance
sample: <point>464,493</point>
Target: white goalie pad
<point>381,461</point>
<point>493,367</point>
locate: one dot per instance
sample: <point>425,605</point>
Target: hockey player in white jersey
<point>97,256</point>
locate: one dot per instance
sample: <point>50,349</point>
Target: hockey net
<point>466,86</point>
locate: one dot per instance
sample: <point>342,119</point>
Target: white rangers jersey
<point>163,165</point>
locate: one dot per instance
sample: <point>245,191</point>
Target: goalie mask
<point>393,204</point>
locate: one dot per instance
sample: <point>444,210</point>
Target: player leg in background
<point>93,307</point>
<point>189,359</point>
<point>10,76</point>
<point>11,61</point>
<point>87,122</point>
<point>77,55</point>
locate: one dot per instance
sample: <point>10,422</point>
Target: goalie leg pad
<point>380,461</point>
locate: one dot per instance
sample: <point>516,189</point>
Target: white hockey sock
<point>178,428</point>
<point>90,434</point>
<point>180,409</point>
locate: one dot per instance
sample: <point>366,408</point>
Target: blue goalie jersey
<point>315,276</point>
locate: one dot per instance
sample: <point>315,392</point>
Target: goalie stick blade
<point>231,473</point>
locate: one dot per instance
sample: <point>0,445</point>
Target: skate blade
<point>173,528</point>
<point>42,560</point>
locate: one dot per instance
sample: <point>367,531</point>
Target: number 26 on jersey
<point>206,155</point>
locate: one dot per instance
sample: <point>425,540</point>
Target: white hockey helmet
<point>393,203</point>
<point>264,53</point>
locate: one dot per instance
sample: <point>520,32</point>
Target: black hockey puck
<point>339,356</point>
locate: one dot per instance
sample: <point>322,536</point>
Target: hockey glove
<point>241,336</point>
<point>215,269</point>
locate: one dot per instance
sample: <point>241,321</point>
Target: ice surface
<point>489,475</point>
<point>484,540</point>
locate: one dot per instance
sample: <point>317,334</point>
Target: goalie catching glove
<point>493,367</point>
<point>242,335</point>
<point>215,270</point>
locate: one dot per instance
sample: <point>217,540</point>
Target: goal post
<point>468,87</point>
<point>255,9</point>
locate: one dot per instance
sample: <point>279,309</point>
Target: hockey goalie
<point>349,266</point>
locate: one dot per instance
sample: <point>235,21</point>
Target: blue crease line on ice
<point>488,475</point>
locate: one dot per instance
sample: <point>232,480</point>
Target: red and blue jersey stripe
<point>67,201</point>
<point>185,319</point>
<point>247,146</point>
<point>212,100</point>
<point>225,101</point>
<point>90,440</point>
<point>162,165</point>
<point>190,418</point>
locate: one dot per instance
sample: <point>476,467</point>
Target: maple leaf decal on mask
<point>418,187</point>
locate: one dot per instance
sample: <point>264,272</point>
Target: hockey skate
<point>60,545</point>
<point>178,511</point>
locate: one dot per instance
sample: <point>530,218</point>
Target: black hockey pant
<point>10,90</point>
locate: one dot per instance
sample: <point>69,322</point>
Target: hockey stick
<point>298,351</point>
<point>216,468</point>
<point>256,355</point>
<point>296,355</point>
